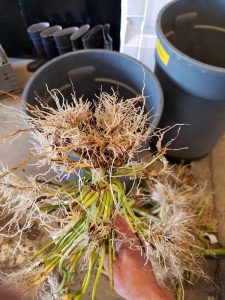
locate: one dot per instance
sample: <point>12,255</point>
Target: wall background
<point>138,22</point>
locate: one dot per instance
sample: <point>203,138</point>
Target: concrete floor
<point>211,168</point>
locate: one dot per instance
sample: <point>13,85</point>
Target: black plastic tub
<point>190,65</point>
<point>91,71</point>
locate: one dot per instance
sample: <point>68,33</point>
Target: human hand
<point>7,294</point>
<point>134,279</point>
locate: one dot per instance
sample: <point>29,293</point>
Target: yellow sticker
<point>163,55</point>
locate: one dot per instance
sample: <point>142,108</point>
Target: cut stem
<point>210,252</point>
<point>111,280</point>
<point>99,271</point>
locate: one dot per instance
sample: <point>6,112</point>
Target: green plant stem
<point>131,214</point>
<point>58,260</point>
<point>50,208</point>
<point>87,197</point>
<point>76,259</point>
<point>64,280</point>
<point>210,252</point>
<point>73,237</point>
<point>66,238</point>
<point>86,193</point>
<point>119,184</point>
<point>68,185</point>
<point>72,193</point>
<point>131,202</point>
<point>132,219</point>
<point>81,197</point>
<point>48,183</point>
<point>99,271</point>
<point>91,200</point>
<point>107,202</point>
<point>43,249</point>
<point>119,190</point>
<point>73,244</point>
<point>51,265</point>
<point>110,204</point>
<point>101,206</point>
<point>87,276</point>
<point>111,264</point>
<point>145,214</point>
<point>96,204</point>
<point>135,170</point>
<point>114,244</point>
<point>179,292</point>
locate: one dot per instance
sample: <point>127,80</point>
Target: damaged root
<point>104,133</point>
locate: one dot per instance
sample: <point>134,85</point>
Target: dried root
<point>104,133</point>
<point>24,203</point>
<point>185,218</point>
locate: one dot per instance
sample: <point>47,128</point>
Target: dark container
<point>48,41</point>
<point>190,65</point>
<point>91,71</point>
